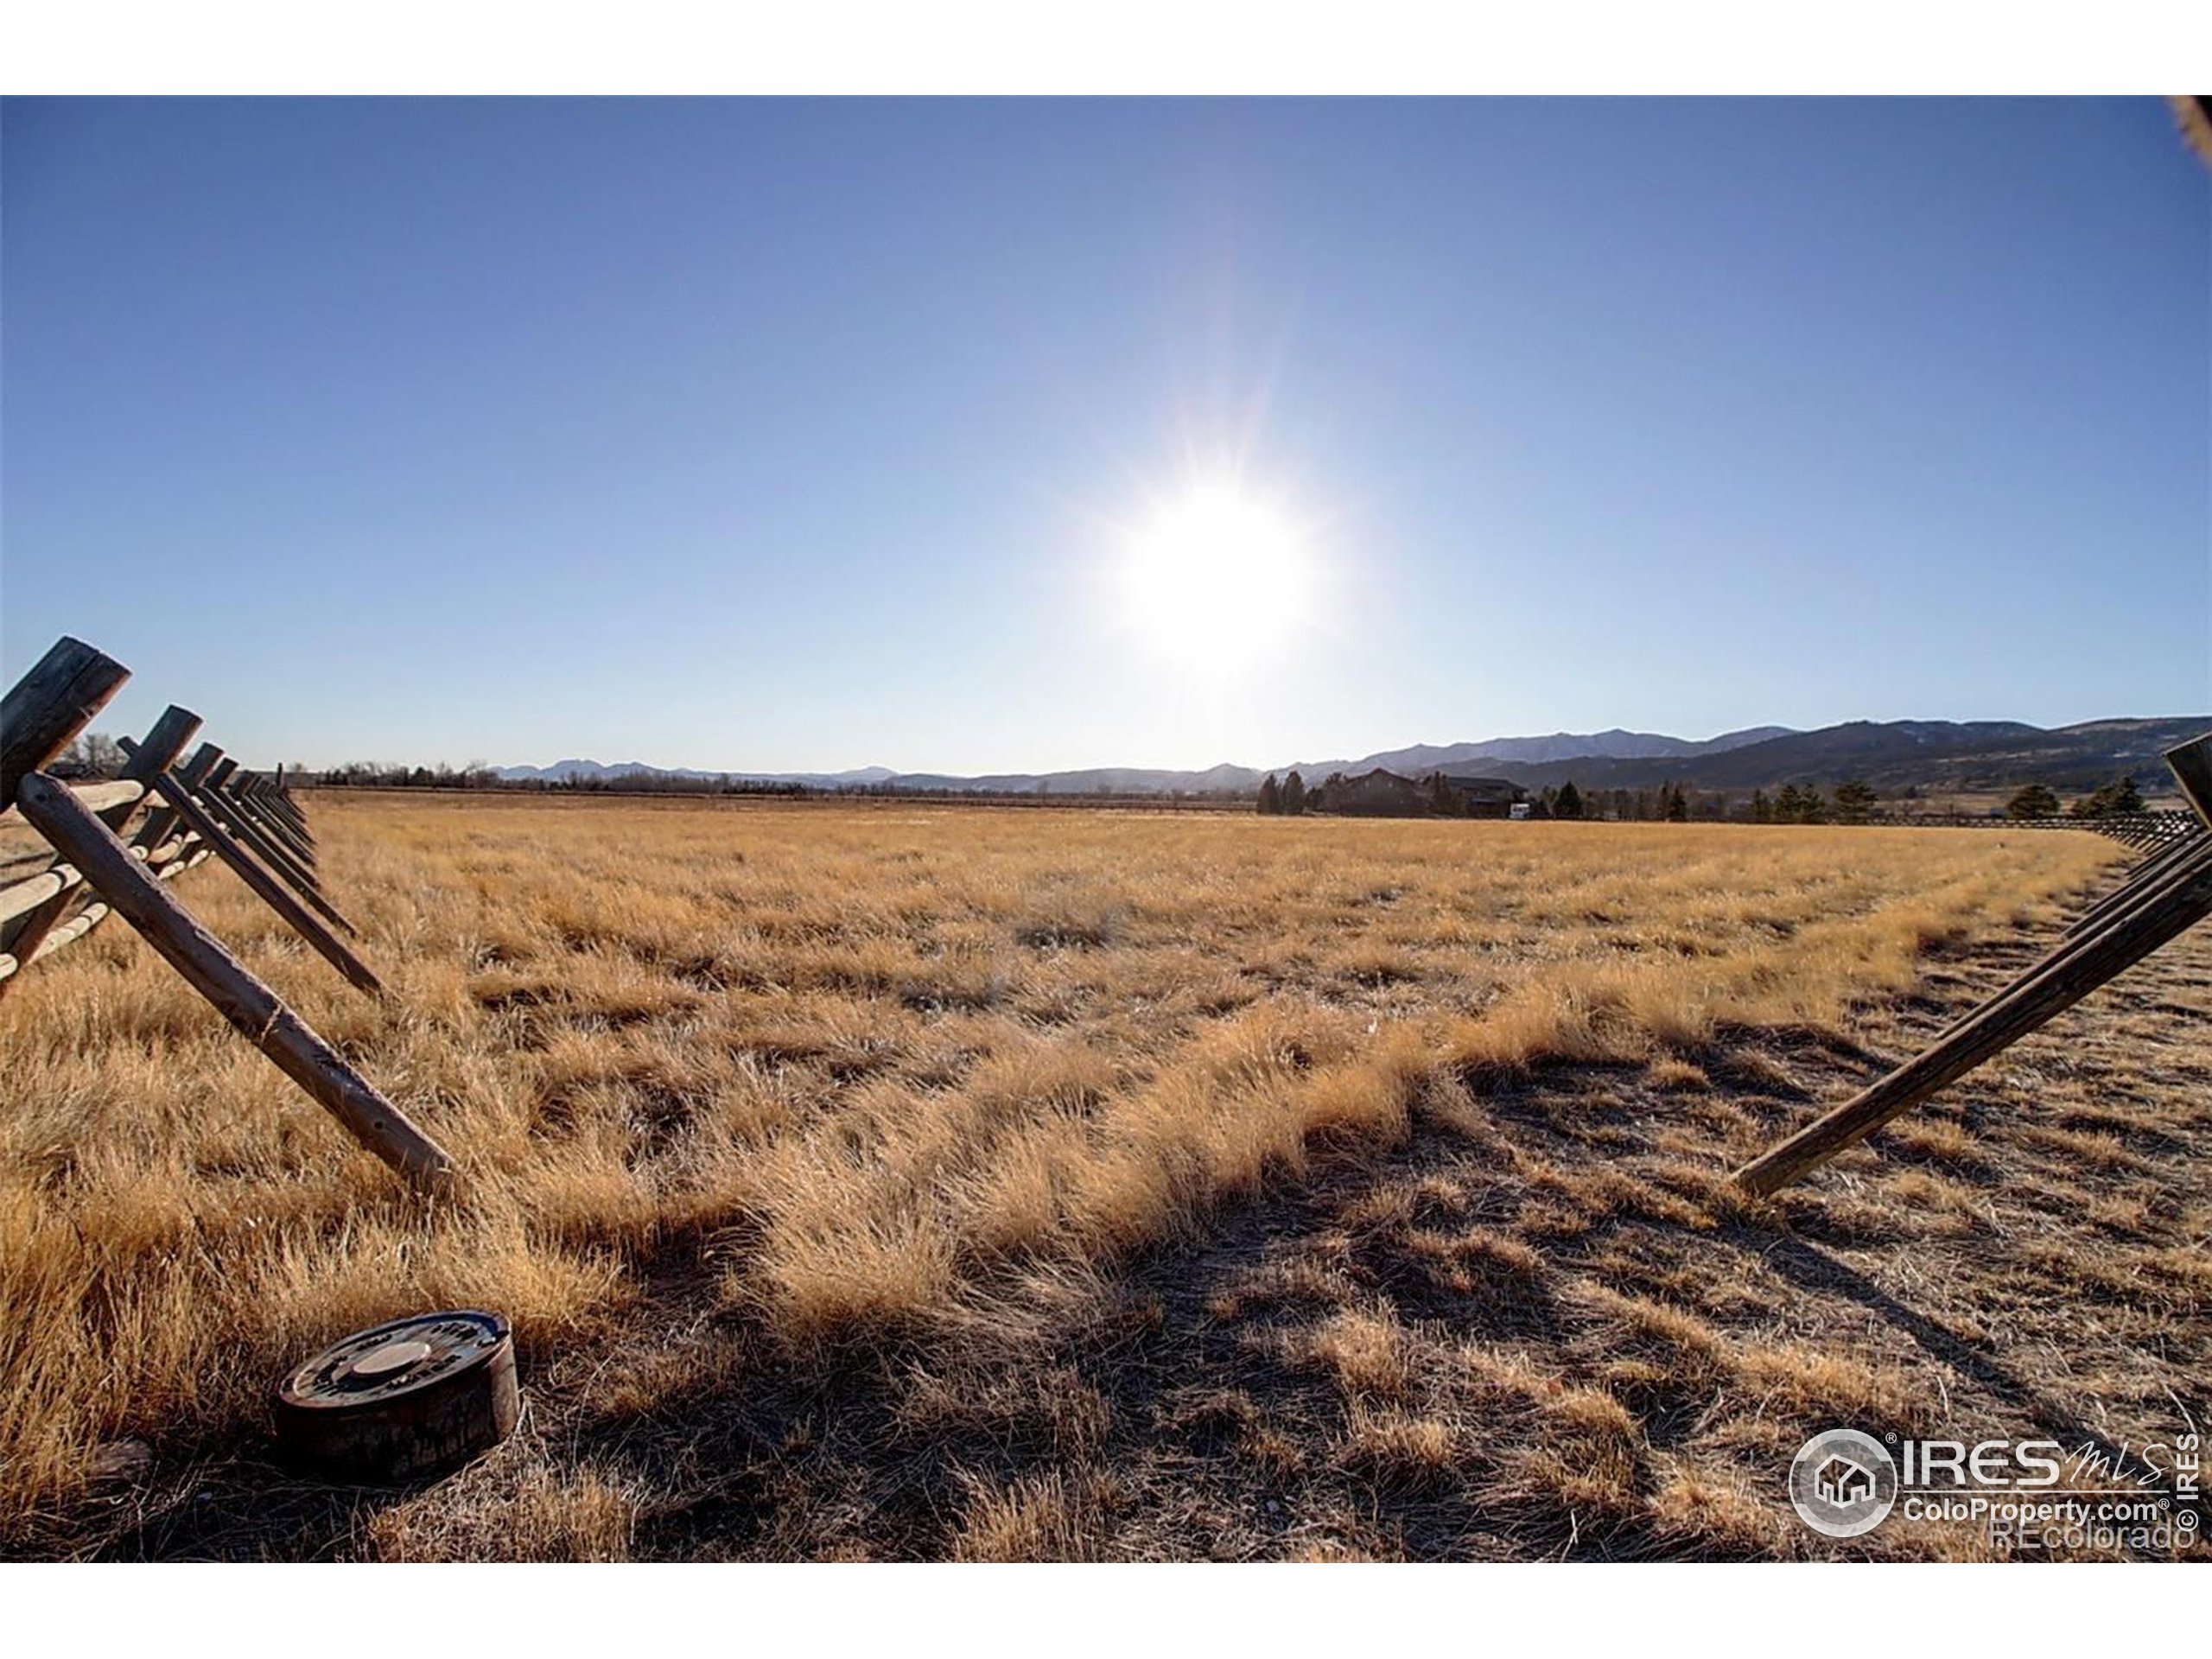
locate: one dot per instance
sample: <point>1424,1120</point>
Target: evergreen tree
<point>2116,800</point>
<point>1854,801</point>
<point>2035,801</point>
<point>1567,804</point>
<point>1294,795</point>
<point>1443,800</point>
<point>1270,796</point>
<point>1795,806</point>
<point>1674,804</point>
<point>1762,808</point>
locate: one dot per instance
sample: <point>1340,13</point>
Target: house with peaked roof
<point>1376,794</point>
<point>1485,798</point>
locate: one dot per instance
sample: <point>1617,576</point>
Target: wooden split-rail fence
<point>116,848</point>
<point>2167,892</point>
<point>2141,830</point>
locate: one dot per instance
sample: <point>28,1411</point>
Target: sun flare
<point>1219,574</point>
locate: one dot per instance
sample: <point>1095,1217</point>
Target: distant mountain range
<point>621,769</point>
<point>1498,751</point>
<point>1930,755</point>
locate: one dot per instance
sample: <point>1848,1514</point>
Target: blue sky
<point>784,434</point>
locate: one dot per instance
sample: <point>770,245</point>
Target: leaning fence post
<point>2137,934</point>
<point>254,829</point>
<point>219,804</point>
<point>2192,769</point>
<point>44,711</point>
<point>164,818</point>
<point>266,887</point>
<point>243,792</point>
<point>247,790</point>
<point>243,1000</point>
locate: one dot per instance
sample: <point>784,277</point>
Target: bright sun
<point>1218,575</point>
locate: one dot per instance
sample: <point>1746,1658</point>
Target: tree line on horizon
<point>1854,801</point>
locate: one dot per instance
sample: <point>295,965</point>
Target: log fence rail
<point>115,848</point>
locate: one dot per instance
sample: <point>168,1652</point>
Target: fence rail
<point>2167,892</point>
<point>2151,829</point>
<point>113,849</point>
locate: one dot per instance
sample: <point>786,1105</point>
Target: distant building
<point>1487,798</point>
<point>1384,794</point>
<point>1378,794</point>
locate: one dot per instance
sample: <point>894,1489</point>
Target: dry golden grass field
<point>912,1181</point>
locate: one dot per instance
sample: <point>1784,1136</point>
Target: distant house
<point>1384,794</point>
<point>1378,794</point>
<point>1487,798</point>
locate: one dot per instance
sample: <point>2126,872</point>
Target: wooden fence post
<point>243,792</point>
<point>248,1004</point>
<point>2192,768</point>
<point>266,887</point>
<point>44,711</point>
<point>280,799</point>
<point>216,801</point>
<point>164,818</point>
<point>247,789</point>
<point>234,801</point>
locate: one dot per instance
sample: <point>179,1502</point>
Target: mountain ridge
<point>1919,754</point>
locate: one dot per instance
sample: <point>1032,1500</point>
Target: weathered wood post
<point>2192,769</point>
<point>2135,934</point>
<point>44,711</point>
<point>163,818</point>
<point>253,830</point>
<point>247,790</point>
<point>251,791</point>
<point>266,887</point>
<point>249,1005</point>
<point>278,802</point>
<point>294,815</point>
<point>219,804</point>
